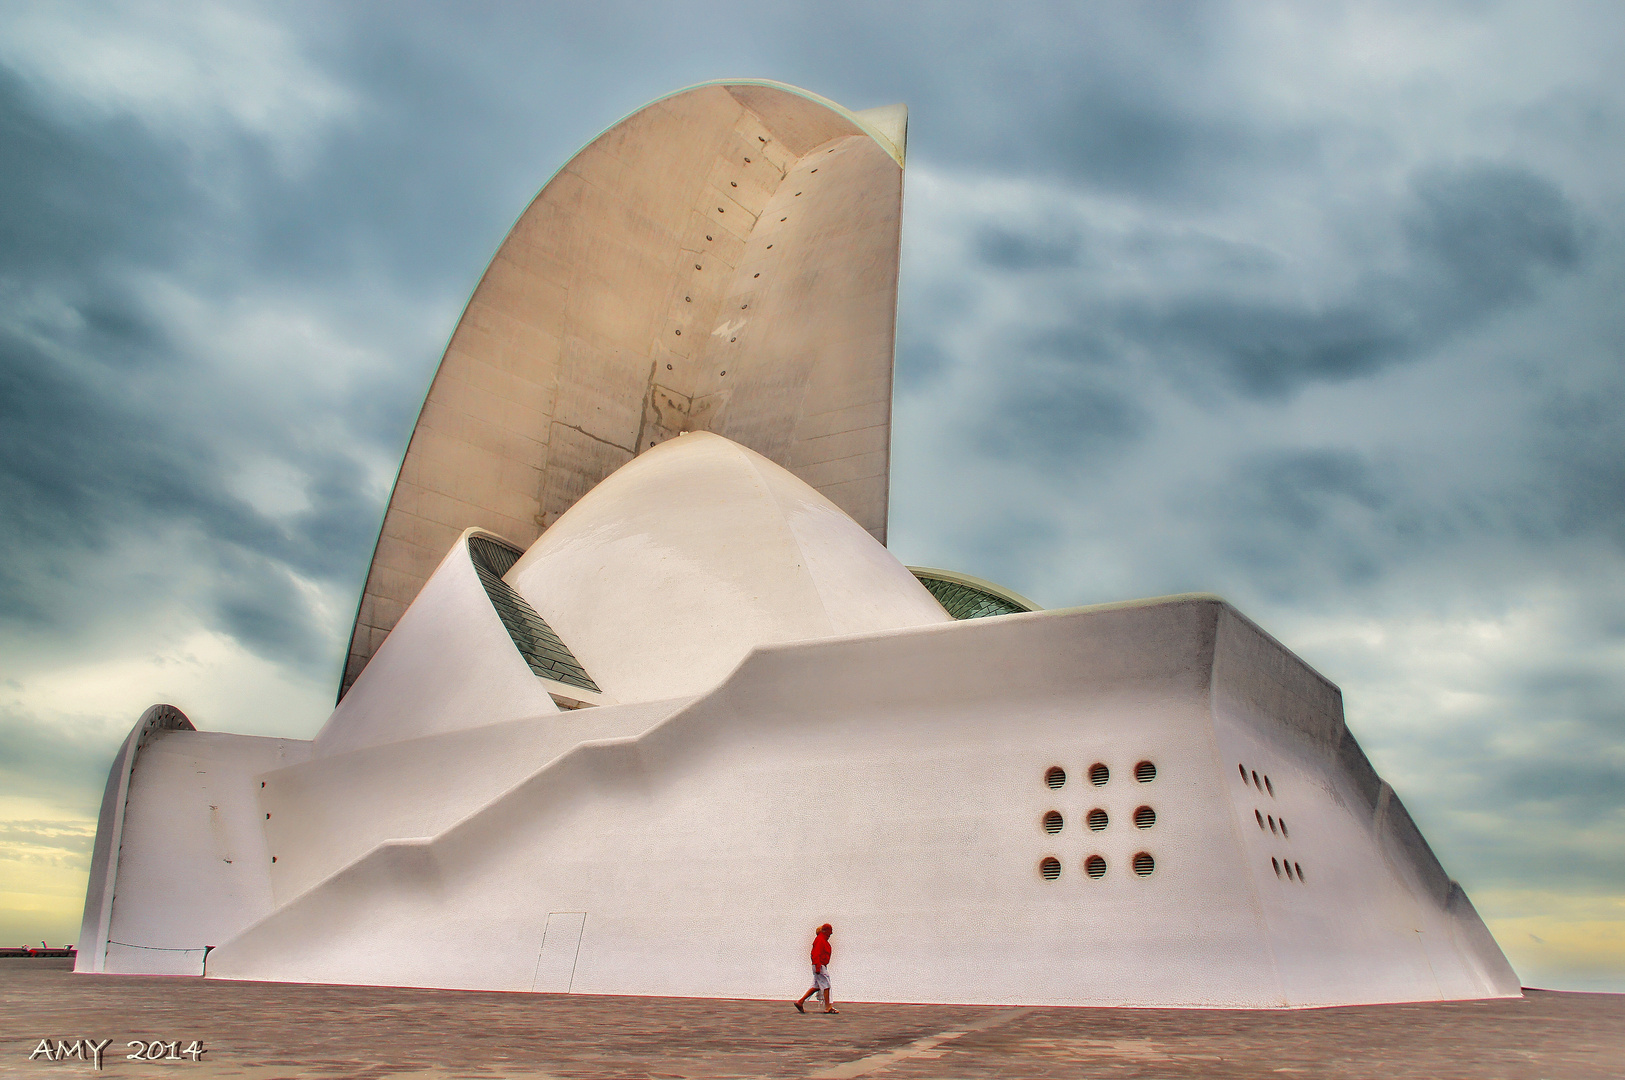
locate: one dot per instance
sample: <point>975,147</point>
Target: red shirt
<point>820,950</point>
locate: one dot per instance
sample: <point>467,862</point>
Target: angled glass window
<point>547,656</point>
<point>965,597</point>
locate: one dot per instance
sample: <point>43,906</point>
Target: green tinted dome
<point>967,597</point>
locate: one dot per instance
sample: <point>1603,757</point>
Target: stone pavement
<point>268,1030</point>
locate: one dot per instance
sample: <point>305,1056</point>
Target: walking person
<point>820,963</point>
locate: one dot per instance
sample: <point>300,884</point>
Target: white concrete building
<point>645,742</point>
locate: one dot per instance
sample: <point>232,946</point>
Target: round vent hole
<point>1145,772</point>
<point>758,275</point>
<point>1095,867</point>
<point>1299,869</point>
<point>1055,777</point>
<point>1269,787</point>
<point>1050,867</point>
<point>1282,822</point>
<point>1243,769</point>
<point>1272,823</point>
<point>1099,774</point>
<point>1053,822</point>
<point>1144,864</point>
<point>1144,817</point>
<point>1097,819</point>
<point>1256,784</point>
<point>1277,864</point>
<point>733,183</point>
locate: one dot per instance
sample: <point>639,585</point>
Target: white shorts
<point>820,979</point>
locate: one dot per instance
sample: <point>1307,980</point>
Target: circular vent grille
<point>1056,777</point>
<point>1098,819</point>
<point>1145,772</point>
<point>1145,817</point>
<point>1050,867</point>
<point>1053,822</point>
<point>1094,866</point>
<point>1144,864</point>
<point>1099,774</point>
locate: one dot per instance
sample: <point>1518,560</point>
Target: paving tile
<point>265,1031</point>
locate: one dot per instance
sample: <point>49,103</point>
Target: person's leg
<point>827,1006</point>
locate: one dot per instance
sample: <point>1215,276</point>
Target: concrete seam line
<point>876,1062</point>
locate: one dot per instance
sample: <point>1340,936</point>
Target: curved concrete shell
<point>645,750</point>
<point>722,260</point>
<point>662,578</point>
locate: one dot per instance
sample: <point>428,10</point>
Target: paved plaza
<point>269,1030</point>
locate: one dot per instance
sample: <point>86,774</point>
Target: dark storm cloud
<point>1059,415</point>
<point>1480,240</point>
<point>1007,249</point>
<point>91,447</point>
<point>71,200</point>
<point>48,760</point>
<point>1226,303</point>
<point>1129,138</point>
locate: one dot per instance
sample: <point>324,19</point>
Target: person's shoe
<point>799,1009</point>
<point>837,1012</point>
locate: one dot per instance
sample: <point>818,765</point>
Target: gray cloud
<point>1188,303</point>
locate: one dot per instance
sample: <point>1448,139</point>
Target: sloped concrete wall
<point>193,870</point>
<point>893,784</point>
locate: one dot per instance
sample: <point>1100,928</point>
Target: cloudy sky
<point>1312,306</point>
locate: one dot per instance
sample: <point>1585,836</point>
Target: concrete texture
<point>266,1031</point>
<point>663,577</point>
<point>723,260</point>
<point>867,760</point>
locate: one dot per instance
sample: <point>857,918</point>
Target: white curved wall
<point>893,784</point>
<point>665,575</point>
<point>725,260</point>
<point>449,665</point>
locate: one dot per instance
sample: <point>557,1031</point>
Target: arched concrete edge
<point>98,917</point>
<point>894,117</point>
